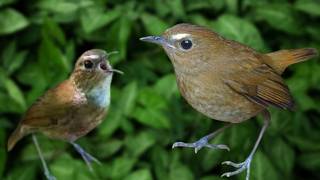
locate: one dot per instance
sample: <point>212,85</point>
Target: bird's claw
<point>240,167</point>
<point>49,176</point>
<point>203,142</point>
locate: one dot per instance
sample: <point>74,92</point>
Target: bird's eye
<point>88,64</point>
<point>186,44</point>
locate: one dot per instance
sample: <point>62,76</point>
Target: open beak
<point>157,40</point>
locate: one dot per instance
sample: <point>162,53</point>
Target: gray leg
<point>246,164</point>
<point>44,164</point>
<point>203,142</point>
<point>85,156</point>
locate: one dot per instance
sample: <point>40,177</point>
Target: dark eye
<point>186,44</point>
<point>88,64</point>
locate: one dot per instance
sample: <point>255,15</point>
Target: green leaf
<point>161,158</point>
<point>66,167</point>
<point>304,144</point>
<point>6,2</point>
<point>13,91</point>
<point>120,31</point>
<point>149,98</point>
<point>59,6</point>
<point>278,16</point>
<point>54,64</point>
<point>153,24</point>
<point>142,174</point>
<point>310,161</point>
<point>94,18</point>
<point>23,172</point>
<point>107,149</point>
<point>263,168</point>
<point>121,167</point>
<point>128,98</point>
<point>240,30</point>
<point>111,123</point>
<point>177,8</point>
<point>181,171</point>
<point>11,21</point>
<point>282,155</point>
<point>151,117</point>
<point>12,59</point>
<point>311,7</point>
<point>167,86</point>
<point>140,143</point>
<point>54,31</point>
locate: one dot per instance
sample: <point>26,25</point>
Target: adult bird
<point>73,108</point>
<point>226,80</point>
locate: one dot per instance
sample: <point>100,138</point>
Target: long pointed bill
<point>157,40</point>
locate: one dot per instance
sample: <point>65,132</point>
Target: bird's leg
<point>203,142</point>
<point>246,164</point>
<point>44,164</point>
<point>85,156</point>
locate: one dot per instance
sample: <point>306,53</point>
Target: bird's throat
<point>99,95</point>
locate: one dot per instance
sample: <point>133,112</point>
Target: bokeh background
<point>41,39</point>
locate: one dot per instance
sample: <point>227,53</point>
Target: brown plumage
<point>226,80</point>
<point>73,108</point>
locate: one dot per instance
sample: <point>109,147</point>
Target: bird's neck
<point>99,94</point>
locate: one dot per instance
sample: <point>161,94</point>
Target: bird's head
<point>188,46</point>
<point>93,69</point>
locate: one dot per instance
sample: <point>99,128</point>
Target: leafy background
<point>40,40</point>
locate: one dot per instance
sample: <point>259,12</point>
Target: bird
<point>227,81</point>
<point>72,108</point>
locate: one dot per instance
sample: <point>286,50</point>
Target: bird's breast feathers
<point>100,94</point>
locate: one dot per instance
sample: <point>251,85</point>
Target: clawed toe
<point>240,168</point>
<point>203,142</point>
<point>218,146</point>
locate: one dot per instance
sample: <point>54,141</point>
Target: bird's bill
<point>157,40</point>
<point>116,71</point>
<point>154,39</point>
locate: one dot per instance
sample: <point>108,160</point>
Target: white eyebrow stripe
<point>91,57</point>
<point>179,36</point>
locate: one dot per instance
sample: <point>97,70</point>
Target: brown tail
<point>280,60</point>
<point>14,138</point>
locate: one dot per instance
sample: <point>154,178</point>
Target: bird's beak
<point>157,40</point>
<point>116,71</point>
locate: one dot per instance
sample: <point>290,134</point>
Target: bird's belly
<point>220,102</point>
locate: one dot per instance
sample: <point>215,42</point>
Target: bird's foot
<point>203,142</point>
<point>88,158</point>
<point>240,167</point>
<point>49,176</point>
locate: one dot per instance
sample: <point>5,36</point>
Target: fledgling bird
<point>73,108</point>
<point>226,80</point>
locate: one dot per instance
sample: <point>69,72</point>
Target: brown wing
<point>51,107</point>
<point>259,83</point>
<point>47,112</point>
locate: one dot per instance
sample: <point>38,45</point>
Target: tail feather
<point>280,60</point>
<point>14,138</point>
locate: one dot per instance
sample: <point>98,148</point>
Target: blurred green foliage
<point>41,39</point>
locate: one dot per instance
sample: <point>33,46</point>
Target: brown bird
<point>226,80</point>
<point>73,108</point>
